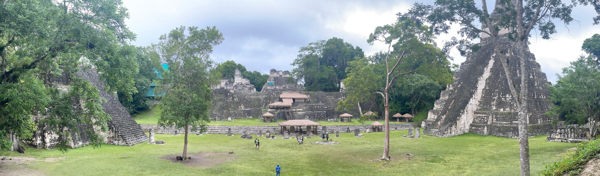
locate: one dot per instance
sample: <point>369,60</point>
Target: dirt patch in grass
<point>10,166</point>
<point>203,159</point>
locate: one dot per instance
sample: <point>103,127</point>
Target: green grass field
<point>152,116</point>
<point>467,154</point>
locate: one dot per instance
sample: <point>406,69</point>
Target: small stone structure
<point>337,134</point>
<point>570,133</point>
<point>151,134</point>
<point>410,133</point>
<point>418,134</point>
<point>356,132</point>
<point>238,84</point>
<point>278,81</point>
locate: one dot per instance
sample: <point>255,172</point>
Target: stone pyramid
<point>479,101</point>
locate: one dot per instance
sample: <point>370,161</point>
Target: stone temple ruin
<point>122,129</point>
<point>239,83</point>
<point>479,101</point>
<point>236,102</point>
<point>278,81</point>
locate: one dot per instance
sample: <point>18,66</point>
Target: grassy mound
<point>574,160</point>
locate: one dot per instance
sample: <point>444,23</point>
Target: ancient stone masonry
<point>238,84</point>
<point>278,81</point>
<point>238,105</point>
<point>570,133</point>
<point>479,101</point>
<point>215,129</point>
<point>122,129</point>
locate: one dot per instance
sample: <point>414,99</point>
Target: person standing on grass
<point>277,170</point>
<point>327,136</point>
<point>256,143</point>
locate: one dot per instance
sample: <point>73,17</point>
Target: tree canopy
<point>322,64</point>
<point>227,71</point>
<point>42,40</point>
<point>187,84</point>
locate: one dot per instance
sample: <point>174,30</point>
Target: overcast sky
<point>263,35</point>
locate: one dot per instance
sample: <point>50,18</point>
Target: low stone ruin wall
<point>213,129</point>
<point>569,134</point>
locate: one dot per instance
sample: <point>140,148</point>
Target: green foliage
<point>41,40</point>
<point>475,20</point>
<point>366,76</point>
<point>322,64</point>
<point>256,78</point>
<point>364,118</point>
<point>227,69</point>
<point>576,95</point>
<point>187,84</point>
<point>592,47</point>
<point>574,160</point>
<point>139,102</point>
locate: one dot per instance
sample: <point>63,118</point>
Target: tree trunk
<point>359,109</point>
<point>523,139</point>
<point>386,147</point>
<point>185,143</point>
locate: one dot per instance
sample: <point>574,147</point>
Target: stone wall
<point>570,133</point>
<point>214,129</point>
<point>240,105</point>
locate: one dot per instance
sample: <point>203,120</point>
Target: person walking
<point>327,136</point>
<point>256,143</point>
<point>277,170</point>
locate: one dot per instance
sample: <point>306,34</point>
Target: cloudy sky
<point>263,35</point>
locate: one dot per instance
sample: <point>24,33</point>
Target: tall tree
<point>410,48</point>
<point>143,79</point>
<point>576,94</point>
<point>41,40</point>
<point>592,47</point>
<point>323,64</point>
<point>187,84</point>
<point>508,14</point>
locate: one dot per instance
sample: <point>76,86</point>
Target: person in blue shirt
<point>277,170</point>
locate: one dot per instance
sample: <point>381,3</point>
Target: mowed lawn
<point>152,116</point>
<point>467,154</point>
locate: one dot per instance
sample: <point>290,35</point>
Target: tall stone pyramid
<point>122,129</point>
<point>479,101</point>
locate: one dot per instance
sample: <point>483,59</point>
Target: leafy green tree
<point>227,69</point>
<point>41,40</point>
<point>322,64</point>
<point>418,91</point>
<point>256,78</point>
<point>187,84</point>
<point>576,95</point>
<point>143,79</point>
<point>520,17</point>
<point>592,47</point>
<point>410,49</point>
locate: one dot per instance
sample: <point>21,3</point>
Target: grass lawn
<point>152,116</point>
<point>467,154</point>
